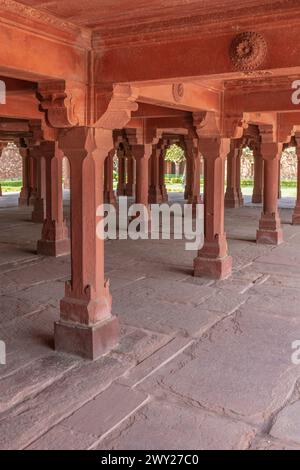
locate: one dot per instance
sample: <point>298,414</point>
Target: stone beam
<point>184,96</point>
<point>152,111</point>
<point>202,54</point>
<point>57,48</point>
<point>21,105</point>
<point>260,99</point>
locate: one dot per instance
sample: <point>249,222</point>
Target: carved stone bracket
<point>63,103</point>
<point>118,111</point>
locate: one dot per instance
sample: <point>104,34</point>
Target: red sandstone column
<point>39,212</point>
<point>141,154</point>
<point>66,173</point>
<point>296,213</point>
<point>2,146</point>
<point>54,241</point>
<point>232,198</point>
<point>279,179</point>
<point>86,326</point>
<point>121,174</point>
<point>188,176</point>
<point>33,179</point>
<point>162,171</point>
<point>213,260</point>
<point>130,185</point>
<point>270,231</point>
<point>155,196</point>
<point>25,190</point>
<point>195,169</point>
<point>109,194</point>
<point>257,196</point>
<point>238,177</point>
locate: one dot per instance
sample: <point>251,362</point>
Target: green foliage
<point>175,154</point>
<point>11,183</point>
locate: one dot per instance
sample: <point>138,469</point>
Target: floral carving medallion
<point>248,51</point>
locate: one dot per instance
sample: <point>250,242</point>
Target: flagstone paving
<point>201,364</point>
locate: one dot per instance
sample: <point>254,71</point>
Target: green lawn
<point>10,186</point>
<point>288,189</point>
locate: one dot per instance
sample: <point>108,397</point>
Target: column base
<point>296,215</point>
<point>257,199</point>
<point>213,268</point>
<point>269,237</point>
<point>24,197</point>
<point>54,248</point>
<point>231,199</point>
<point>32,198</point>
<point>89,342</point>
<point>155,196</point>
<point>231,203</point>
<point>296,219</point>
<point>38,213</point>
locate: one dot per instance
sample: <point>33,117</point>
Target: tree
<point>175,154</point>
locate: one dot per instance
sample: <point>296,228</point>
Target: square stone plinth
<point>213,268</point>
<point>53,248</point>
<point>269,237</point>
<point>89,342</point>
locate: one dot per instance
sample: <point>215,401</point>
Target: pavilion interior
<point>128,344</point>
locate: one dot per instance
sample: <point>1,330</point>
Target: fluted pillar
<point>141,154</point>
<point>39,208</point>
<point>212,260</point>
<point>25,190</point>
<point>87,326</point>
<point>270,231</point>
<point>257,195</point>
<point>54,240</point>
<point>109,194</point>
<point>296,213</point>
<point>232,198</point>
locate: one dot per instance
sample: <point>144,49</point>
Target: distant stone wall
<point>288,165</point>
<point>10,165</point>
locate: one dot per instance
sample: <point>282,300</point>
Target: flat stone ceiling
<point>116,13</point>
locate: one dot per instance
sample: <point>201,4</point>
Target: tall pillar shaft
<point>25,190</point>
<point>32,179</point>
<point>162,171</point>
<point>279,180</point>
<point>296,213</point>
<point>54,240</point>
<point>121,190</point>
<point>213,260</point>
<point>257,196</point>
<point>238,178</point>
<point>87,326</point>
<point>155,195</point>
<point>270,231</point>
<point>188,177</point>
<point>142,153</point>
<point>130,185</point>
<point>232,198</point>
<point>39,210</point>
<point>109,194</point>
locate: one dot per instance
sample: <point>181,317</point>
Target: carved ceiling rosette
<point>248,51</point>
